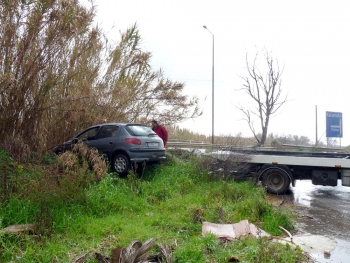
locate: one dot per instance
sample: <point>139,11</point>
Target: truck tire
<point>121,164</point>
<point>276,181</point>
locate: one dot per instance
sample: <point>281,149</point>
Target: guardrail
<point>284,147</point>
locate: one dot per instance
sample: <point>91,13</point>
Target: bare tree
<point>265,89</point>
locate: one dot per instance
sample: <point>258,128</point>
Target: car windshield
<point>140,130</point>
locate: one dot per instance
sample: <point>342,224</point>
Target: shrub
<point>96,162</point>
<point>16,147</point>
<point>7,173</point>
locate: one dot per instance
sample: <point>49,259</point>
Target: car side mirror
<point>75,140</point>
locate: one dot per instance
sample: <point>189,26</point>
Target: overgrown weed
<point>7,172</point>
<point>17,148</point>
<point>97,163</point>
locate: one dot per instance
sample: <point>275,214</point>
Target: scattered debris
<point>233,259</point>
<point>327,254</point>
<point>25,228</point>
<point>274,200</point>
<point>233,231</point>
<point>102,258</point>
<point>225,231</point>
<point>79,259</point>
<point>287,232</point>
<point>166,253</point>
<point>305,216</point>
<point>136,252</point>
<point>314,243</point>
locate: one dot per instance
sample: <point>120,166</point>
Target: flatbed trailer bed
<point>278,169</point>
<point>295,154</point>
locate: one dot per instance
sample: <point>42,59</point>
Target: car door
<point>88,135</point>
<point>105,139</point>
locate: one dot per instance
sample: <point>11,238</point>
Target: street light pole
<point>212,96</point>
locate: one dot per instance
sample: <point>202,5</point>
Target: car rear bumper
<point>145,159</point>
<point>146,155</point>
<point>147,150</point>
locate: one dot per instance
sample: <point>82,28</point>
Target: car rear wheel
<point>121,164</point>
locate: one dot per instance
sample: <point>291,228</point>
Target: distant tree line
<point>275,140</point>
<point>290,139</point>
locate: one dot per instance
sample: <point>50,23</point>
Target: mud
<point>323,211</point>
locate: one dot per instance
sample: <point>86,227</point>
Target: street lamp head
<point>208,30</point>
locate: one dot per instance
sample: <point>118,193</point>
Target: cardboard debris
<point>220,230</point>
<point>19,228</point>
<point>258,232</point>
<point>241,228</point>
<point>233,231</point>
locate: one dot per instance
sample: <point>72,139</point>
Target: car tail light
<point>133,141</point>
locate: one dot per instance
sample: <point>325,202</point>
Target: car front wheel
<point>121,164</point>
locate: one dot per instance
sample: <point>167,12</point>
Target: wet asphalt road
<point>324,210</point>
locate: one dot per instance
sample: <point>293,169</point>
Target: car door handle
<point>110,143</point>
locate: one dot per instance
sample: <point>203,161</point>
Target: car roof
<point>120,123</point>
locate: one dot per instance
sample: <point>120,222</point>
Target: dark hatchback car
<point>122,143</point>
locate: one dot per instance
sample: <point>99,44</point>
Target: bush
<point>62,181</point>
<point>82,153</point>
<point>8,171</point>
<point>16,147</point>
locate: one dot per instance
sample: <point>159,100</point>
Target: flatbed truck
<point>277,169</point>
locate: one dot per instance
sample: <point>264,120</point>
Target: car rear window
<point>139,130</point>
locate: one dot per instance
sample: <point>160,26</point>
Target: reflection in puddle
<point>303,199</point>
<point>328,213</point>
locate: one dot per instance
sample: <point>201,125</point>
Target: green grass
<point>169,203</point>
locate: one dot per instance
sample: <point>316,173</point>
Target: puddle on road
<point>325,211</point>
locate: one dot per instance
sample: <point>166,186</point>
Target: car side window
<point>89,134</point>
<point>107,131</point>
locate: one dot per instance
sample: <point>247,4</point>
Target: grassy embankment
<point>75,212</point>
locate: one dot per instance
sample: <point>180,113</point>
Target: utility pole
<point>212,92</point>
<point>316,141</point>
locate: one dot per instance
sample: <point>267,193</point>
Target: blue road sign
<point>334,124</point>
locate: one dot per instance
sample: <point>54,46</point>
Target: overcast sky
<point>309,38</point>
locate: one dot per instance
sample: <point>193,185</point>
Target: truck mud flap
<point>325,177</point>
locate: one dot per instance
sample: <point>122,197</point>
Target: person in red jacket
<point>161,131</point>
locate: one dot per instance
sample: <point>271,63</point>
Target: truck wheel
<point>121,164</point>
<point>276,181</point>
